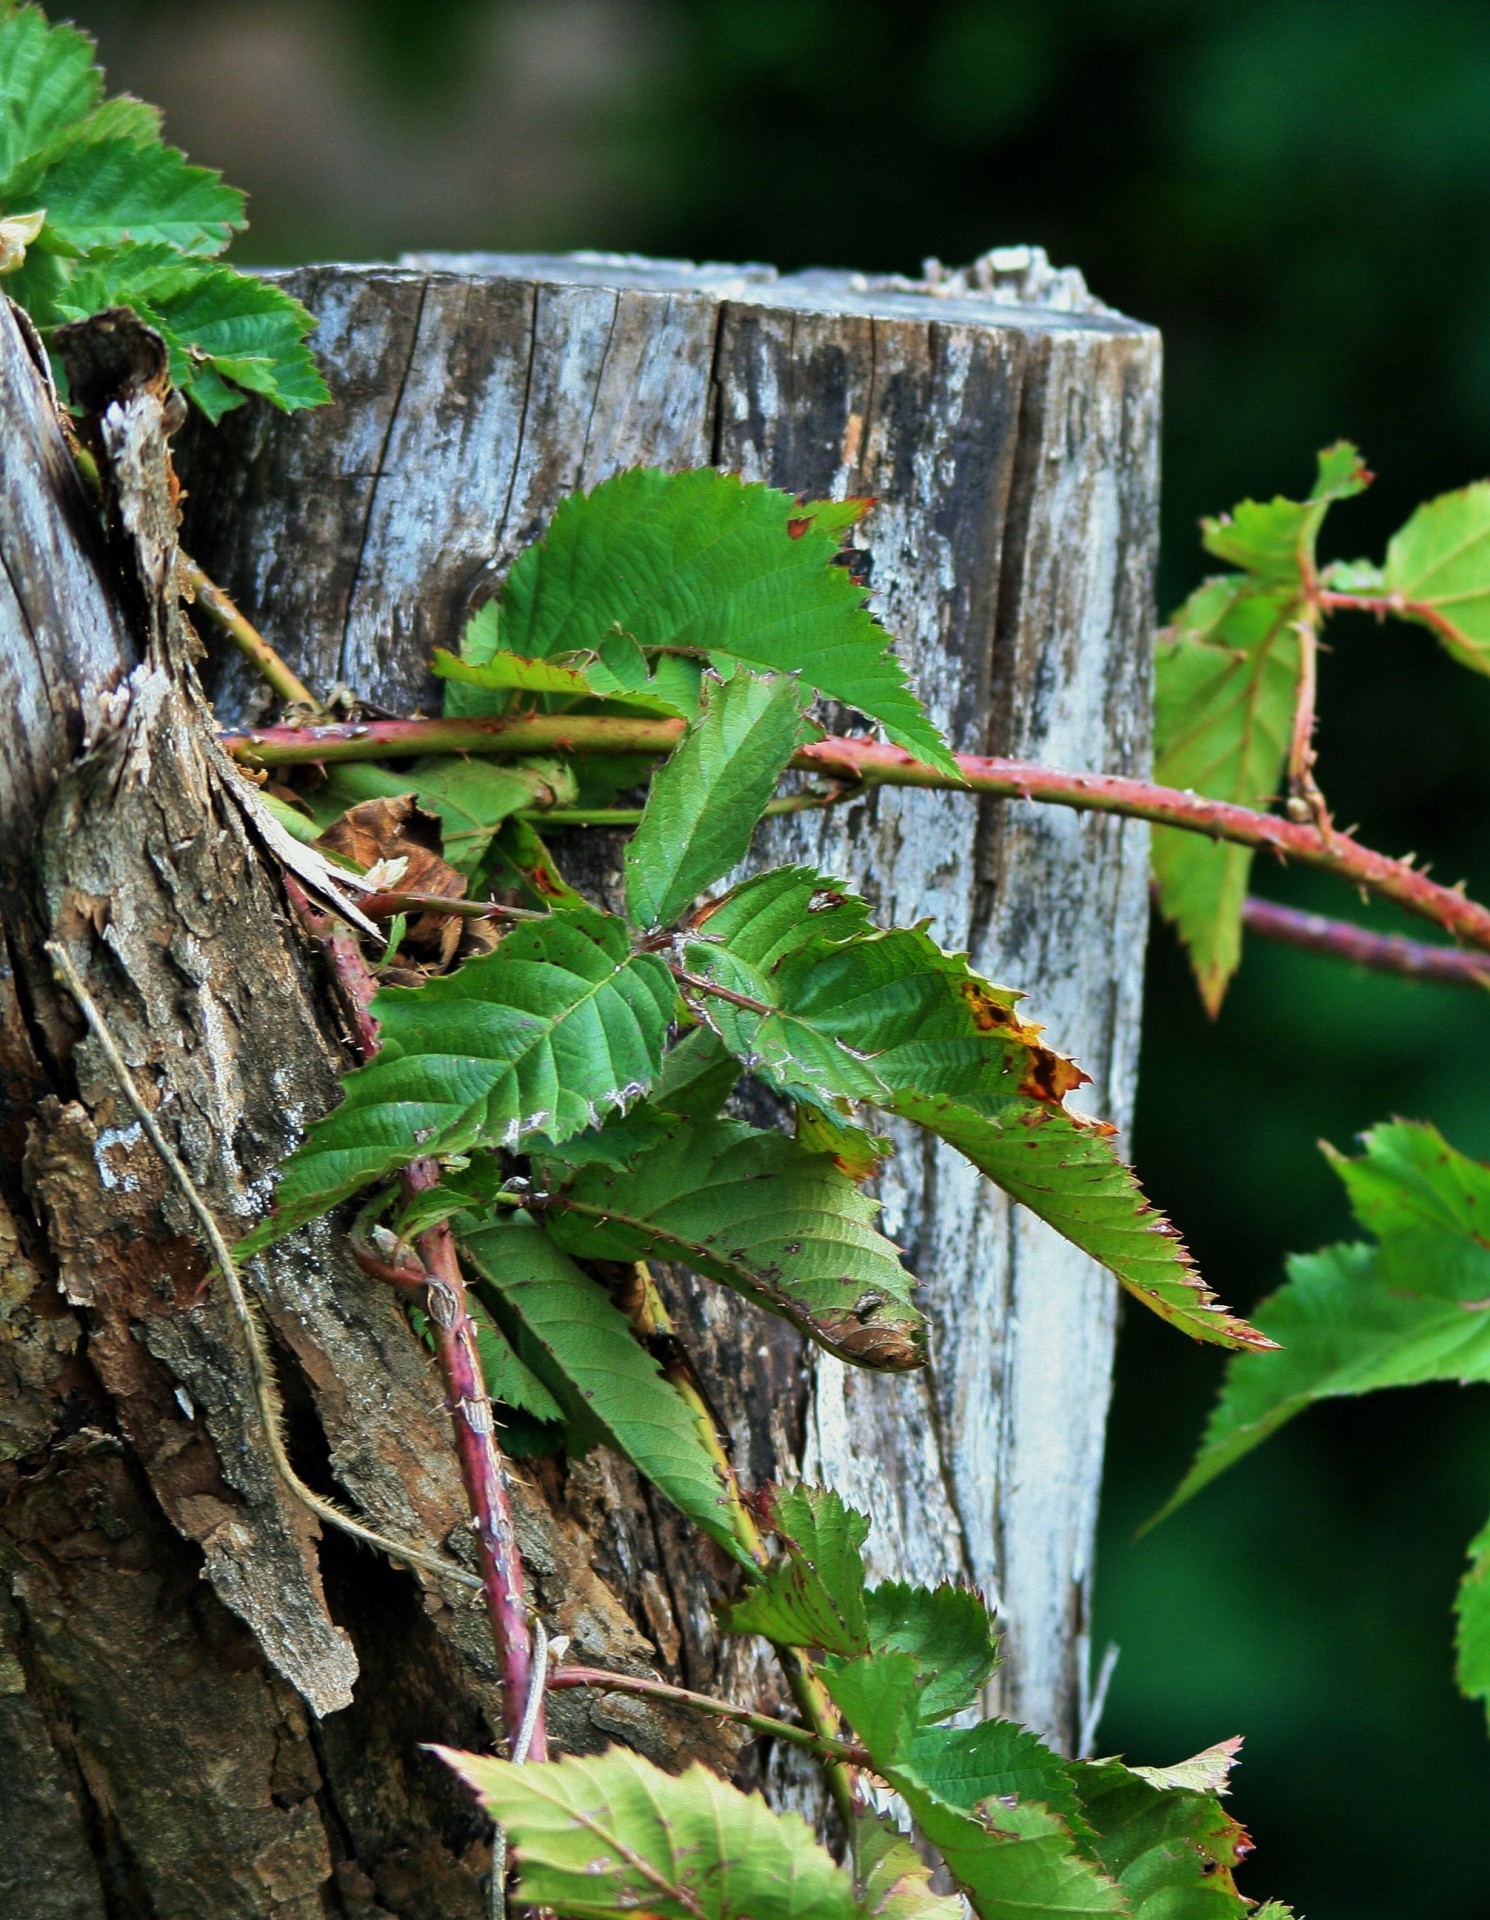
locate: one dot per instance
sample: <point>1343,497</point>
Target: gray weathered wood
<point>1012,453</point>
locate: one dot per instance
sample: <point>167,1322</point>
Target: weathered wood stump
<point>155,1716</point>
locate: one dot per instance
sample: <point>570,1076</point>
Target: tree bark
<point>205,1703</point>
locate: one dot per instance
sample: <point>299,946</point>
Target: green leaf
<point>561,1023</point>
<point>705,800</point>
<point>1428,1206</point>
<point>1355,1318</point>
<point>1016,1862</point>
<point>857,1152</point>
<point>508,671</point>
<point>1226,682</point>
<point>836,1009</point>
<point>225,333</point>
<point>106,194</point>
<point>705,562</point>
<point>812,1595</point>
<point>48,83</point>
<point>697,1076</point>
<point>1275,540</point>
<point>750,1208</point>
<point>620,1386</point>
<point>1172,1852</point>
<point>613,1837</point>
<point>1472,1622</point>
<point>883,1697</point>
<point>826,1008</point>
<point>948,1630</point>
<point>1063,1168</point>
<point>509,1381</point>
<point>1342,1332</point>
<point>891,1879</point>
<point>880,1696</point>
<point>1438,572</point>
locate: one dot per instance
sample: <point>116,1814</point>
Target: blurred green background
<point>1298,193</point>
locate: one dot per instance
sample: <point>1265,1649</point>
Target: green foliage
<point>1438,572</point>
<point>1226,683</point>
<point>705,563</point>
<point>1354,1318</point>
<point>612,1837</point>
<point>1171,1851</point>
<point>1407,1309</point>
<point>751,1209</point>
<point>613,1383</point>
<point>1472,1620</point>
<point>127,222</point>
<point>1226,678</point>
<point>470,798</point>
<point>560,1024</point>
<point>704,802</point>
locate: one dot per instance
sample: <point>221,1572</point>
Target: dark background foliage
<point>1297,192</point>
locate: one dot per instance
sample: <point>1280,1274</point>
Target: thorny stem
<point>1305,801</point>
<point>869,763</point>
<point>839,1752</point>
<point>1381,952</point>
<point>382,906</point>
<point>261,1367</point>
<point>454,1336</point>
<point>244,635</point>
<point>650,1317</point>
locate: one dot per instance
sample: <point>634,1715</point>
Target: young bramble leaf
<point>750,1208</point>
<point>106,193</point>
<point>1472,1623</point>
<point>882,1695</point>
<point>560,1024</point>
<point>1171,1851</point>
<point>48,83</point>
<point>813,1595</point>
<point>1206,1772</point>
<point>947,1629</point>
<point>613,1838</point>
<point>1226,679</point>
<point>706,798</point>
<point>129,222</point>
<point>509,671</point>
<point>1354,1318</point>
<point>619,1386</point>
<point>1438,572</point>
<point>1275,540</point>
<point>704,562</point>
<point>226,334</point>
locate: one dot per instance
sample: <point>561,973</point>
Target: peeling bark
<point>208,1704</point>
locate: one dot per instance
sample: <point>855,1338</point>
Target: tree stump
<point>210,1709</point>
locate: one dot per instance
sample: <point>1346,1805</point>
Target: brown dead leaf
<point>384,831</point>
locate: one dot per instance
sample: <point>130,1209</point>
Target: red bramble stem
<point>869,763</point>
<point>454,1336</point>
<point>1381,952</point>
